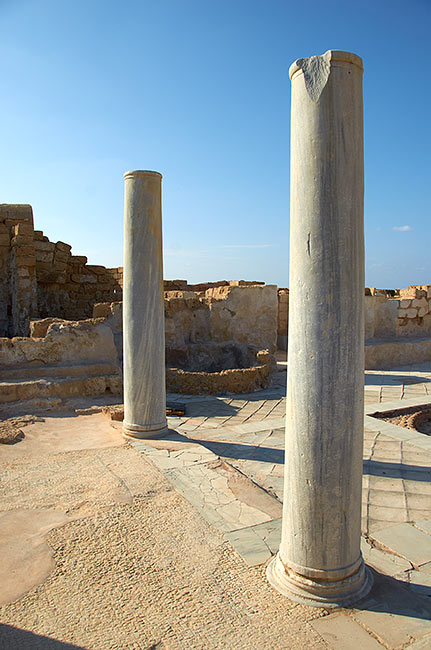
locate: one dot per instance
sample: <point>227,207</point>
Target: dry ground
<point>129,563</point>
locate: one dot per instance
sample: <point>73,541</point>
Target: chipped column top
<point>316,69</point>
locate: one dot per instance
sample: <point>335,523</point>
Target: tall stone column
<point>319,562</point>
<point>143,307</point>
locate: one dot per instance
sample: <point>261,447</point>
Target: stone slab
<point>343,633</point>
<point>396,625</point>
<point>256,544</point>
<point>407,541</point>
<point>424,525</point>
<point>384,562</point>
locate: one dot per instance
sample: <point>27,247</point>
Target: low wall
<point>230,313</point>
<point>68,343</point>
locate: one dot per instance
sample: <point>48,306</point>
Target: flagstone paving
<point>225,442</point>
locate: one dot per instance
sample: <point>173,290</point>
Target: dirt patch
<point>415,417</point>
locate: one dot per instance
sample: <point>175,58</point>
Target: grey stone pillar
<point>319,562</point>
<point>143,307</point>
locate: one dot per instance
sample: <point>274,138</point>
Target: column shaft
<point>319,561</point>
<point>143,307</point>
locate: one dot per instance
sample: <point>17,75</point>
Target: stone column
<point>143,307</point>
<point>319,562</point>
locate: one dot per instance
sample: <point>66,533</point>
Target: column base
<point>141,431</point>
<point>319,592</point>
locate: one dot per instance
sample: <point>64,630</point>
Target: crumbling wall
<point>408,314</point>
<point>68,287</point>
<point>283,318</point>
<point>18,275</point>
<point>40,278</point>
<point>240,314</point>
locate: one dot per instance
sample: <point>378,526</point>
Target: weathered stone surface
<point>319,562</point>
<point>144,335</point>
<point>244,380</point>
<point>64,343</point>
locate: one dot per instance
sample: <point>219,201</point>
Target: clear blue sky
<point>199,90</point>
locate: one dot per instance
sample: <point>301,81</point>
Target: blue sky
<point>199,90</point>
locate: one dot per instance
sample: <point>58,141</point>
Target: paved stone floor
<point>226,457</point>
<point>112,518</point>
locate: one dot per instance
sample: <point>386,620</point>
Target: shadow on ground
<point>393,380</point>
<point>397,470</point>
<point>391,596</point>
<point>12,638</point>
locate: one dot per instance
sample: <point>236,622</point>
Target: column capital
<point>142,172</point>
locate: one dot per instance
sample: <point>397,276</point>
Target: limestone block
<point>61,246</point>
<point>89,279</point>
<point>24,251</point>
<point>44,246</point>
<point>24,229</point>
<point>423,311</point>
<point>38,235</point>
<point>78,259</point>
<point>42,256</point>
<point>4,239</point>
<point>405,303</point>
<point>39,327</point>
<point>419,302</point>
<point>61,256</point>
<point>98,270</point>
<point>411,313</point>
<point>244,315</point>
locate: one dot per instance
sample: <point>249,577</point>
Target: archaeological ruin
<point>61,324</point>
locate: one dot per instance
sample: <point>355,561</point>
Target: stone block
<point>24,251</point>
<point>61,256</point>
<point>407,541</point>
<point>4,239</point>
<point>78,259</point>
<point>23,272</point>
<point>59,266</point>
<point>26,261</point>
<point>61,246</point>
<point>405,303</point>
<point>24,229</point>
<point>98,270</point>
<point>44,246</point>
<point>22,240</point>
<point>411,313</point>
<point>423,311</point>
<point>38,235</point>
<point>419,302</point>
<point>44,256</point>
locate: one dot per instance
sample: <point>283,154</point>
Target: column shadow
<point>393,596</point>
<point>13,638</point>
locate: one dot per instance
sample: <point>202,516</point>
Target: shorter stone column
<point>143,307</point>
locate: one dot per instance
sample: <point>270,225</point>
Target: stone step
<point>47,372</point>
<point>16,390</point>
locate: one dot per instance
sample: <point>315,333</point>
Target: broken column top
<point>316,69</point>
<point>331,57</point>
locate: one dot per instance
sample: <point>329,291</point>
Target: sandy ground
<point>99,552</point>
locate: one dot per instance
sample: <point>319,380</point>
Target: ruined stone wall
<point>18,291</point>
<point>283,318</point>
<point>40,278</point>
<point>241,314</point>
<point>407,315</point>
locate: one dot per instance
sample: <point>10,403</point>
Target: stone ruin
<point>61,324</point>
